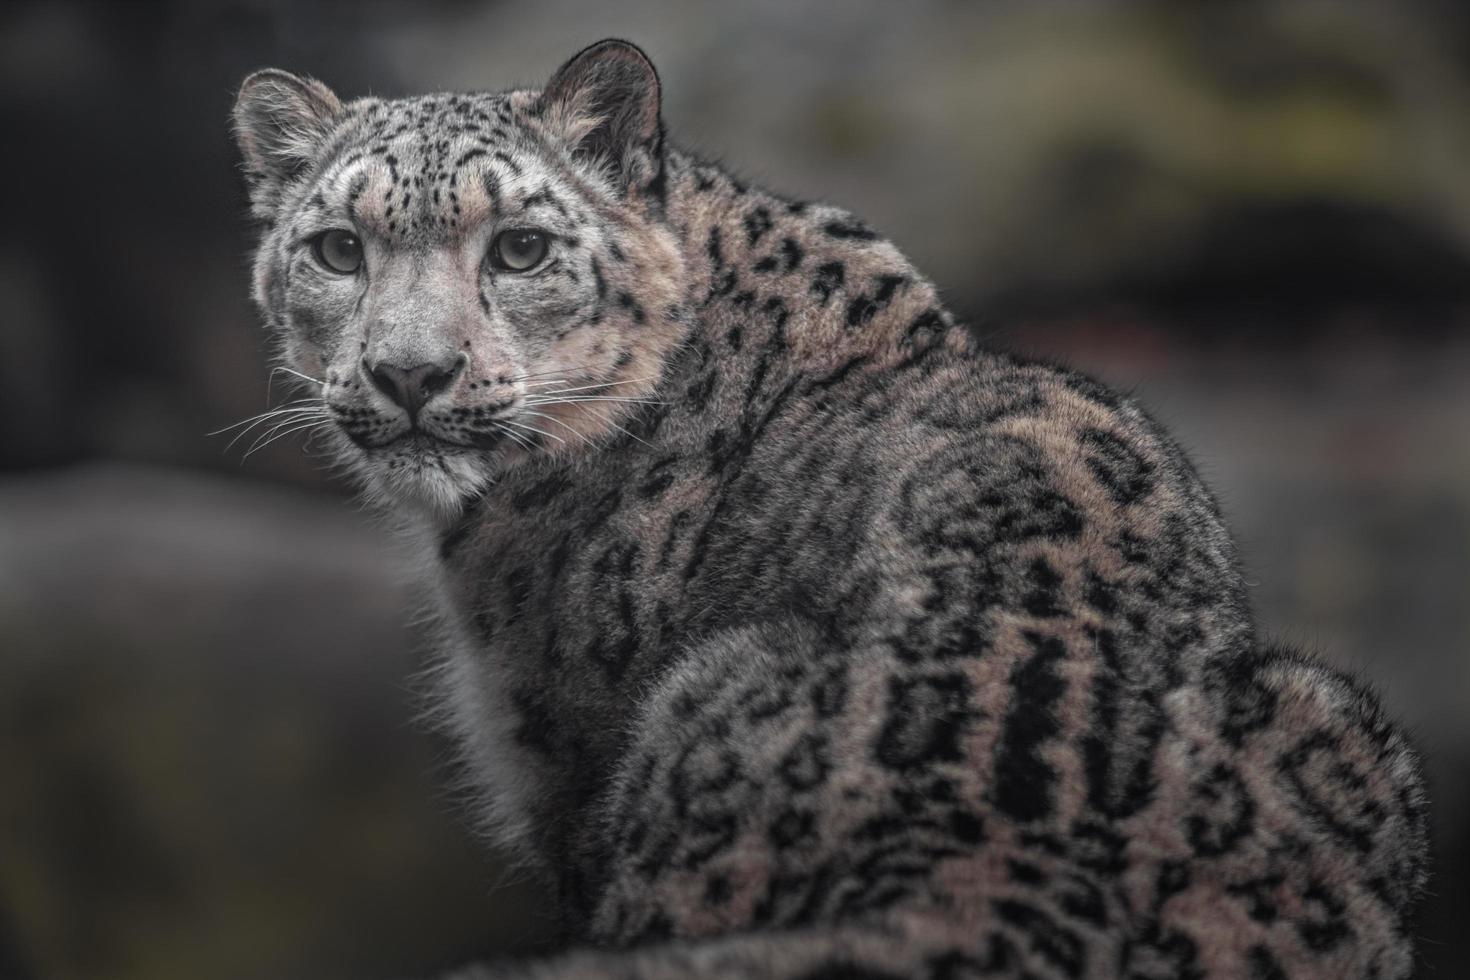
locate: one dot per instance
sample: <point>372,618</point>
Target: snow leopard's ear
<point>605,103</point>
<point>281,122</point>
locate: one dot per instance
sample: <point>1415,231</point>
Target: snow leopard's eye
<point>338,250</point>
<point>518,250</point>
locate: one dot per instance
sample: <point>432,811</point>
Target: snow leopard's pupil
<point>519,250</point>
<point>338,250</point>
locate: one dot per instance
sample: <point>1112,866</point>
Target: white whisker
<point>288,407</point>
<point>553,418</point>
<point>295,415</point>
<point>515,437</point>
<point>532,428</point>
<point>561,371</point>
<point>607,417</point>
<point>268,434</point>
<point>555,399</point>
<point>297,374</point>
<point>281,433</point>
<point>604,384</point>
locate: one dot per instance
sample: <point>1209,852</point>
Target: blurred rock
<point>207,743</point>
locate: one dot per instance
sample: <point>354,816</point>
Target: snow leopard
<point>790,630</point>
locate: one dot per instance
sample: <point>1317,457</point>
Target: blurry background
<point>1254,215</point>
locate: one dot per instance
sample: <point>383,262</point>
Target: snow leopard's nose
<point>411,388</point>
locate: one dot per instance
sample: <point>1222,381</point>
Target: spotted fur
<point>791,632</point>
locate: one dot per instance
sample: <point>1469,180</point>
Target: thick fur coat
<point>792,632</point>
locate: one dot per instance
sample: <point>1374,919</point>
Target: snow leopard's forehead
<point>431,169</point>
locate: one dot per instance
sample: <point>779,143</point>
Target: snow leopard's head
<point>471,280</point>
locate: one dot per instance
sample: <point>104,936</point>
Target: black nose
<point>412,387</point>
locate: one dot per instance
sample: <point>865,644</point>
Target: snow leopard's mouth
<point>417,441</point>
<point>418,468</point>
<point>425,445</point>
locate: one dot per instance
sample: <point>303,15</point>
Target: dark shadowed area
<point>1254,215</point>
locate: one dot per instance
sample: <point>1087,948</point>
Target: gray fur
<point>790,631</point>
